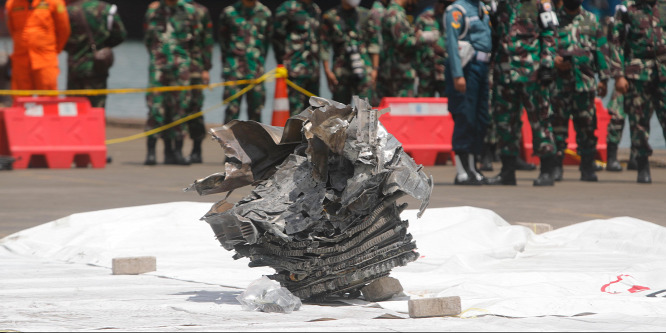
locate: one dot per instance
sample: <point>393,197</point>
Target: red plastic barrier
<point>603,118</point>
<point>423,125</point>
<point>53,132</point>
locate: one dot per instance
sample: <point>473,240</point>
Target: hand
<point>621,85</point>
<point>459,84</point>
<point>602,88</point>
<point>332,80</point>
<point>205,77</point>
<point>561,64</point>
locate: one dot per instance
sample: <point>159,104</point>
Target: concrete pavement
<point>30,197</point>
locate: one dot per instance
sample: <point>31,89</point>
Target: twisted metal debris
<point>324,211</point>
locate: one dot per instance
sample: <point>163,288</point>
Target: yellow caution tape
<point>95,92</point>
<point>194,115</point>
<point>299,89</point>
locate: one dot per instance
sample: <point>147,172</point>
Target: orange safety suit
<point>39,29</point>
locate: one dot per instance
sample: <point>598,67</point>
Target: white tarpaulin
<point>597,275</point>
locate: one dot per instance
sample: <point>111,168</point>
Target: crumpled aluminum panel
<point>323,212</point>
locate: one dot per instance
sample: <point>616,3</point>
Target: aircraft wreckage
<point>323,212</point>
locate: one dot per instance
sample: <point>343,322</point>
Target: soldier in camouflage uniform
<point>399,43</point>
<point>245,32</point>
<point>376,13</point>
<point>431,58</point>
<point>296,42</point>
<point>107,30</point>
<point>202,54</point>
<point>638,63</point>
<point>582,53</point>
<point>169,35</point>
<point>345,30</point>
<point>523,73</point>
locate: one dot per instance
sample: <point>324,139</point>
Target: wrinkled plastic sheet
<point>600,275</point>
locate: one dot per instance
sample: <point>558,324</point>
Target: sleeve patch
<point>456,19</point>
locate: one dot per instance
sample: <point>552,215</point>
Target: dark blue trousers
<point>469,110</point>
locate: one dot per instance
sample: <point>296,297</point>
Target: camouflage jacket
<point>296,38</point>
<point>343,30</point>
<point>245,35</point>
<point>582,38</point>
<point>638,49</point>
<point>399,45</point>
<point>106,28</point>
<point>524,45</point>
<point>431,57</point>
<point>202,53</point>
<point>170,35</point>
<point>375,28</point>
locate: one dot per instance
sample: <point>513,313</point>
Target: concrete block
<point>434,307</point>
<point>133,265</point>
<point>537,228</point>
<point>381,289</point>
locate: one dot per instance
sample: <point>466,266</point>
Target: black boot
<point>612,163</point>
<point>587,169</point>
<point>522,165</point>
<point>151,159</point>
<point>632,165</point>
<point>507,175</point>
<point>464,174</point>
<point>195,156</point>
<point>643,170</point>
<point>174,155</point>
<point>487,157</point>
<point>558,170</point>
<point>546,175</point>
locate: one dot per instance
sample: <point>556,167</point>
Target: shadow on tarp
<point>217,297</point>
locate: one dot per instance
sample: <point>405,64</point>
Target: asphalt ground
<point>30,197</point>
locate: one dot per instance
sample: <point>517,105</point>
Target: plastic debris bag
<point>267,295</point>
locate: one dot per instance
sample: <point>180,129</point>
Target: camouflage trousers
<point>197,125</point>
<point>350,85</point>
<point>580,107</point>
<point>617,118</point>
<point>299,101</point>
<point>97,101</point>
<point>167,107</point>
<point>507,109</point>
<point>429,87</point>
<point>395,88</point>
<point>254,98</point>
<point>640,101</point>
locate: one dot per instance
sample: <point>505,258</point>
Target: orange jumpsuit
<point>39,29</point>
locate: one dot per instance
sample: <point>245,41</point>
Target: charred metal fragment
<point>324,211</point>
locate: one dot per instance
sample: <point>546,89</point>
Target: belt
<point>482,56</point>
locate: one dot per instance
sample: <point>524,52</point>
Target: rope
<point>194,115</point>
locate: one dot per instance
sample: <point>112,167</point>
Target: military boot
<point>632,165</point>
<point>612,163</point>
<point>487,157</point>
<point>643,170</point>
<point>151,159</point>
<point>587,170</point>
<point>173,154</point>
<point>464,174</point>
<point>195,155</point>
<point>522,165</point>
<point>546,174</point>
<point>558,170</point>
<point>507,175</point>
